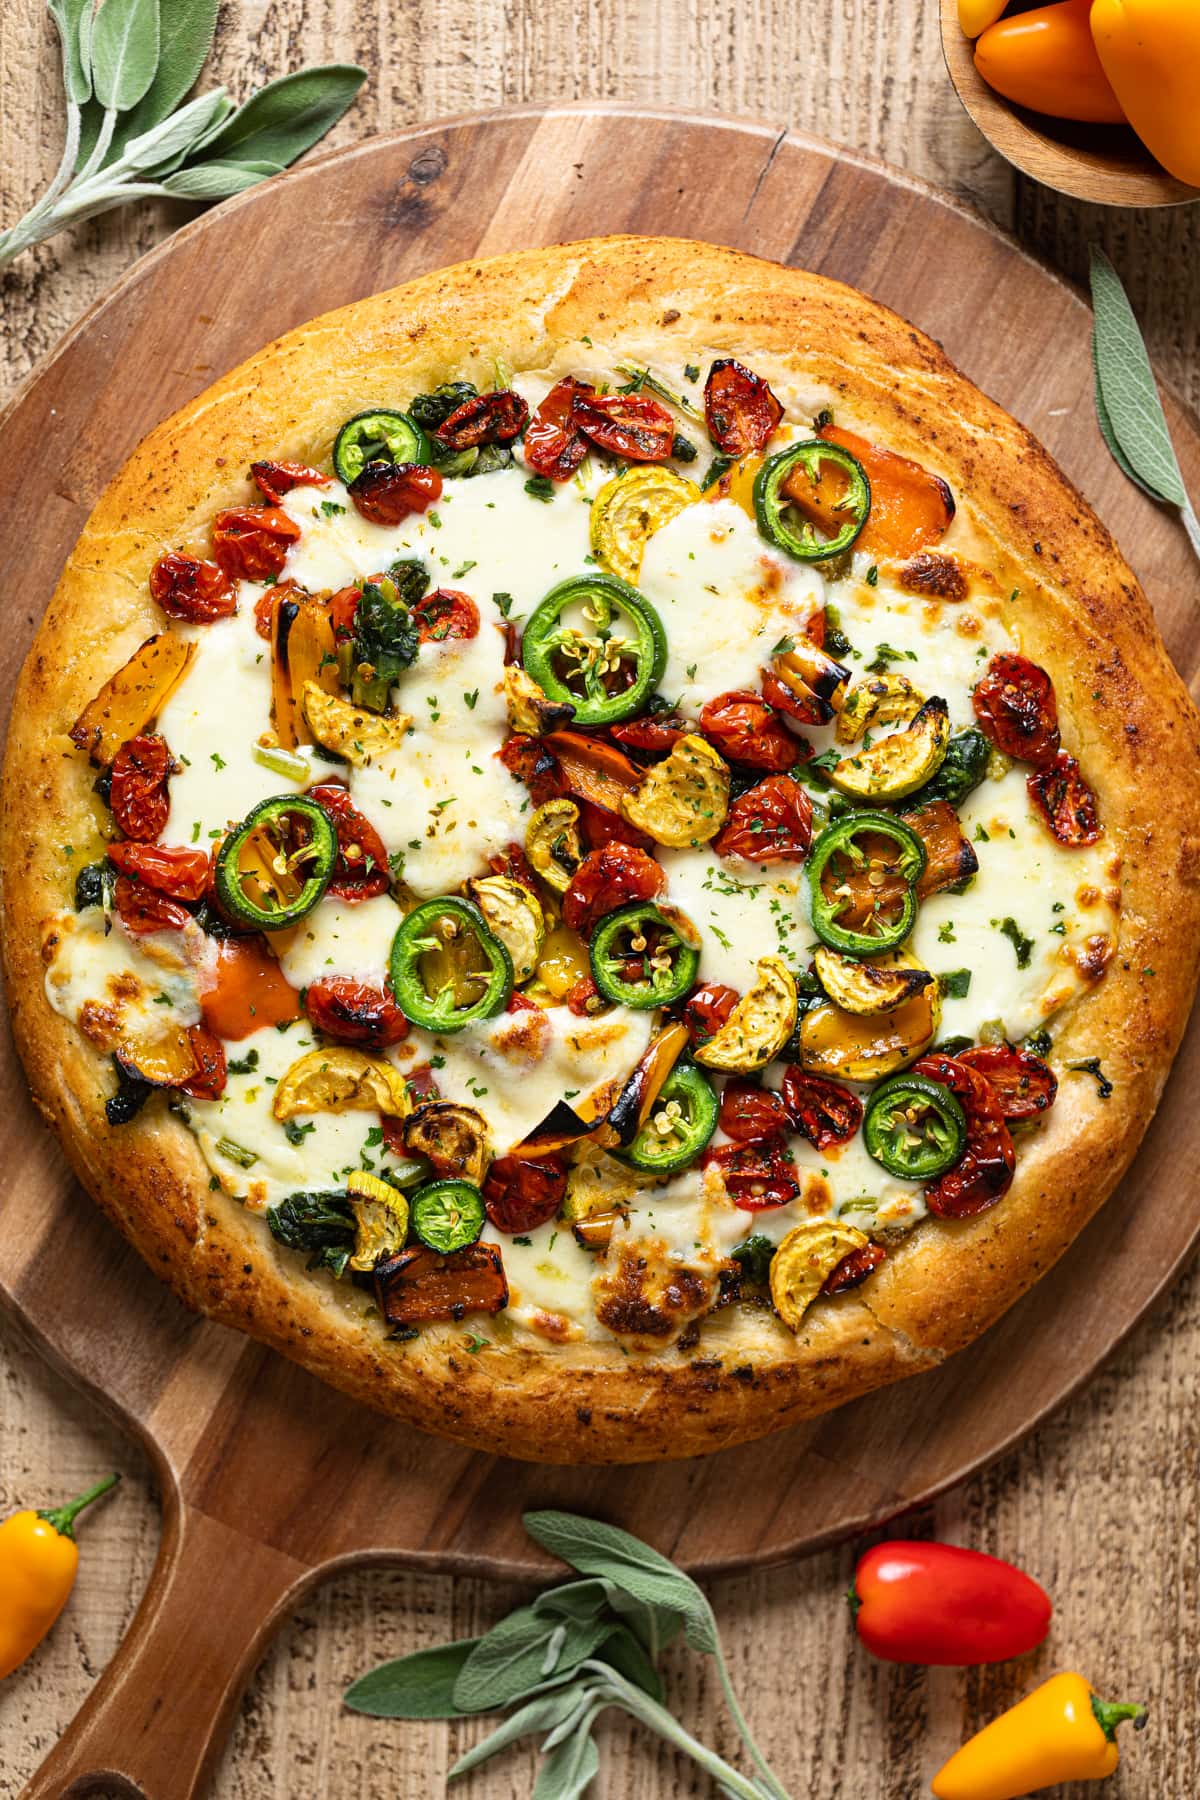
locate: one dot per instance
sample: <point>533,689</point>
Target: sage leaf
<point>287,117</point>
<point>186,30</point>
<point>512,1659</point>
<point>623,1652</point>
<point>419,1686</point>
<point>571,1766</point>
<point>125,46</point>
<point>1110,437</point>
<point>574,1599</point>
<point>1127,388</point>
<point>541,1714</point>
<point>168,142</point>
<point>214,181</point>
<point>604,1550</point>
<point>73,20</point>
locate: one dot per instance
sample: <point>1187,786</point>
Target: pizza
<point>601,850</point>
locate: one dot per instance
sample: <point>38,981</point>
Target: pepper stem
<point>63,1517</point>
<point>853,1601</point>
<point>1111,1713</point>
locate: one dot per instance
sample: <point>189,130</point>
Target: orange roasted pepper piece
<point>243,988</point>
<point>1150,52</point>
<point>1060,1732</point>
<point>1046,60</point>
<point>910,508</point>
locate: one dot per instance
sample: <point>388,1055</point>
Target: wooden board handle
<point>154,1725</point>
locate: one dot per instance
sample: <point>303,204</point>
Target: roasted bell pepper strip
<point>942,1606</point>
<point>1046,60</point>
<point>910,508</point>
<point>447,968</point>
<point>1060,1732</point>
<point>38,1562</point>
<point>592,770</point>
<point>420,1285</point>
<point>1150,52</point>
<point>604,663</point>
<point>838,849</point>
<point>275,867</point>
<point>242,988</point>
<point>782,491</point>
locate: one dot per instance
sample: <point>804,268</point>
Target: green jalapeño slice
<point>593,643</point>
<point>914,1127</point>
<point>378,436</point>
<point>862,876</point>
<point>642,957</point>
<point>812,485</point>
<point>447,968</point>
<point>681,1121</point>
<point>274,868</point>
<point>446,1215</point>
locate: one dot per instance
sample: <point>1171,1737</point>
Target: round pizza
<point>601,850</point>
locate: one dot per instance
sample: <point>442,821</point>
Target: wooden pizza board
<point>270,1480</point>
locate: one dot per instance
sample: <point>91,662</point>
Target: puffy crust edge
<point>1080,611</point>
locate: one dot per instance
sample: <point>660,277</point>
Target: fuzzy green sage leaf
<point>1128,405</point>
<point>420,1686</point>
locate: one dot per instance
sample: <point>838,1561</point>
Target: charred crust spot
<point>931,573</point>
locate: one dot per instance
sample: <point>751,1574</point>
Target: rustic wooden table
<point>1100,1504</point>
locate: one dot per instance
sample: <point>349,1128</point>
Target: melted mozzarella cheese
<point>516,1075</point>
<point>1022,922</point>
<point>338,939</point>
<point>115,987</point>
<point>742,911</point>
<point>725,599</point>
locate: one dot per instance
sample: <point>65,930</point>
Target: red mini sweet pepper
<point>940,1605</point>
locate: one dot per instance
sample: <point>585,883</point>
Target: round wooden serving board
<point>271,1481</point>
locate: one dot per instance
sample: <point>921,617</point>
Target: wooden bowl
<point>1107,164</point>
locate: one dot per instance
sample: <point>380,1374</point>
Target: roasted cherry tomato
<point>485,419</point>
<point>361,869</point>
<point>740,408</point>
<point>528,759</point>
<point>143,909</point>
<point>275,479</point>
<point>353,1012</point>
<point>985,1171</point>
<point>600,826</point>
<point>583,999</point>
<point>750,1112</point>
<point>554,444</point>
<point>771,822</point>
<point>523,1192</point>
<point>212,1072</point>
<point>1066,802</point>
<point>823,1111</point>
<point>181,873</point>
<point>1024,1083</point>
<point>251,542</point>
<point>139,798</point>
<point>757,1175</point>
<point>513,862</point>
<point>945,1607</point>
<point>342,607</point>
<point>1015,705</point>
<point>190,588</point>
<point>608,878</point>
<point>746,730</point>
<point>656,733</point>
<point>630,425</point>
<point>387,493</point>
<point>445,613</point>
<point>853,1270</point>
<point>706,1009</point>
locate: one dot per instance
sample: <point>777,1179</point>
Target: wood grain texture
<point>1101,1502</point>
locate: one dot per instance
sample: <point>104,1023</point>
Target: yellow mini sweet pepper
<point>1060,1732</point>
<point>976,15</point>
<point>1046,60</point>
<point>1150,51</point>
<point>38,1560</point>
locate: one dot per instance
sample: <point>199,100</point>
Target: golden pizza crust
<point>1080,612</point>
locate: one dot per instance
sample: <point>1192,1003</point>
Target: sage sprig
<point>127,67</point>
<point>563,1660</point>
<point>1128,406</point>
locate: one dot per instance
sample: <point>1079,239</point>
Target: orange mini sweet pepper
<point>38,1560</point>
<point>1060,1732</point>
<point>976,15</point>
<point>1046,60</point>
<point>1150,53</point>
